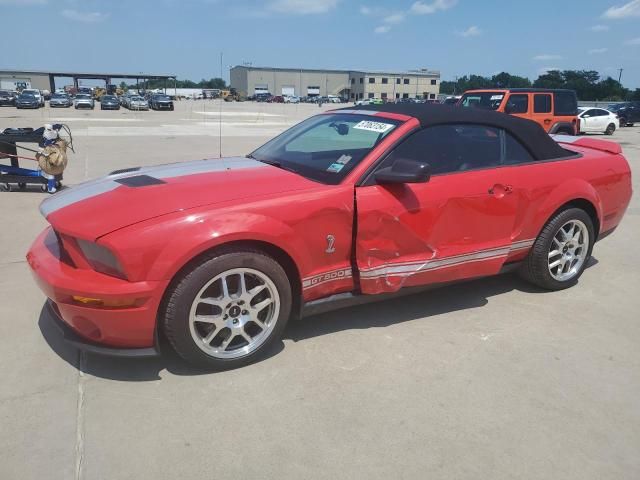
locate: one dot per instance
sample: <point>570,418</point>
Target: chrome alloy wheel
<point>568,252</point>
<point>234,313</point>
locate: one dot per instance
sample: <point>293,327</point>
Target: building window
<point>397,95</point>
<point>398,81</point>
<point>385,80</point>
<point>352,95</point>
<point>372,79</point>
<point>406,81</point>
<point>361,79</point>
<point>370,95</point>
<point>383,95</point>
<point>433,82</point>
<point>353,80</point>
<point>432,96</point>
<point>405,95</point>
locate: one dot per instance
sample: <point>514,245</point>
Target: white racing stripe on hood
<point>92,188</point>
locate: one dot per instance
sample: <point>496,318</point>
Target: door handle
<point>500,190</point>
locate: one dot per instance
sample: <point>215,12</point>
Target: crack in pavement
<point>80,416</point>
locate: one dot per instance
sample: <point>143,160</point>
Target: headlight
<point>101,259</point>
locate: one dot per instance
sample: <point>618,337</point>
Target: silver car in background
<point>136,102</point>
<point>60,100</point>
<point>83,100</point>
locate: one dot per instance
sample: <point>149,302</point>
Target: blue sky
<point>457,37</point>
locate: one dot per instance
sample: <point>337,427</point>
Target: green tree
<point>506,80</point>
<point>551,79</point>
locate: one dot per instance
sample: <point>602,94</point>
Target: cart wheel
<point>52,190</point>
<point>22,185</point>
<point>58,184</point>
<point>43,188</point>
<point>5,187</point>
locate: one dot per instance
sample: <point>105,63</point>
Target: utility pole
<point>620,75</point>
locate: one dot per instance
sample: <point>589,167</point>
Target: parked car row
<point>84,98</point>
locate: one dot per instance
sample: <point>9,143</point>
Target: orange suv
<point>555,110</point>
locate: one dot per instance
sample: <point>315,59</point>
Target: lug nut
<point>225,317</point>
<point>244,312</point>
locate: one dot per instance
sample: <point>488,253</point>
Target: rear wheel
<point>226,311</point>
<point>561,251</point>
<point>610,129</point>
<point>623,121</point>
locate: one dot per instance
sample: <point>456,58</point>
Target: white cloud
<point>599,28</point>
<point>394,18</point>
<point>596,51</point>
<point>629,9</point>
<point>85,17</point>
<point>546,57</point>
<point>543,70</point>
<point>424,8</point>
<point>633,41</point>
<point>303,7</point>
<point>382,29</point>
<point>472,31</point>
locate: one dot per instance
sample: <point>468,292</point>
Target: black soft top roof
<point>530,134</point>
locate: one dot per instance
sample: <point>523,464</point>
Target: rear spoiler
<point>593,143</point>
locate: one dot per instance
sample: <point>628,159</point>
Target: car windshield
<point>164,98</point>
<point>82,96</point>
<point>109,98</point>
<point>27,96</point>
<point>58,95</point>
<point>136,98</point>
<point>615,107</point>
<point>326,148</point>
<point>485,100</point>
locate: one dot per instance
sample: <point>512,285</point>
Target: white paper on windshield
<point>377,127</point>
<point>496,97</point>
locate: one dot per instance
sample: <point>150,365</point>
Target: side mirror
<point>586,116</point>
<point>404,171</point>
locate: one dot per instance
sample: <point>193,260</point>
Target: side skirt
<point>351,299</point>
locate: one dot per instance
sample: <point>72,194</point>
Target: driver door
<point>457,225</point>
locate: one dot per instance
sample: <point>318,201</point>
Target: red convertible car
<point>218,254</point>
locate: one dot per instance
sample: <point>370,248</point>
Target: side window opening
<point>518,103</point>
<point>514,152</point>
<point>542,103</point>
<point>451,148</point>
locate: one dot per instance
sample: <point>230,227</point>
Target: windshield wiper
<point>274,163</point>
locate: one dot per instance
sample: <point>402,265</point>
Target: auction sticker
<point>378,127</point>
<point>497,97</point>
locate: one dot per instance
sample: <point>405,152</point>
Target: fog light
<point>106,303</point>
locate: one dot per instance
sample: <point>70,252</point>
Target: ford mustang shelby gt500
<point>218,254</point>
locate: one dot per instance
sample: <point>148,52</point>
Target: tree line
<point>153,84</point>
<point>587,84</point>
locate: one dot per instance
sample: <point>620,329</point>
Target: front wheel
<point>610,129</point>
<point>226,311</point>
<point>561,251</point>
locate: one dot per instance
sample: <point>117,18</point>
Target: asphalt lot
<point>491,379</point>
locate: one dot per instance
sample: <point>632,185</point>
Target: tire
<point>229,318</point>
<point>537,267</point>
<point>610,129</point>
<point>623,122</point>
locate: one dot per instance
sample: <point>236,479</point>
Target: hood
<point>95,208</point>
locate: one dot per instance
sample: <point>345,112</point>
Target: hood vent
<point>139,181</point>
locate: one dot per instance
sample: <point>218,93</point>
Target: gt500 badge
<point>377,127</point>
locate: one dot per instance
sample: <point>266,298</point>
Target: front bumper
<point>164,106</point>
<point>72,338</point>
<point>84,105</point>
<point>108,329</point>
